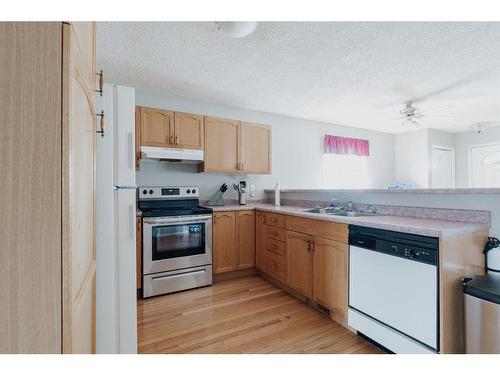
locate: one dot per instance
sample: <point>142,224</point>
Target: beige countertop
<point>426,227</point>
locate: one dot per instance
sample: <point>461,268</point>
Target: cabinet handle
<point>101,124</point>
<point>101,82</point>
<point>176,139</point>
<point>242,166</point>
<point>313,246</point>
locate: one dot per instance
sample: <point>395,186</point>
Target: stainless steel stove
<point>176,238</point>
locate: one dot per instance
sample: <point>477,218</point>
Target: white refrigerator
<point>116,314</point>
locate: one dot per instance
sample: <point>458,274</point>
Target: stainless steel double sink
<point>339,211</point>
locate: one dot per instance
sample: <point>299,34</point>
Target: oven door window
<point>179,240</point>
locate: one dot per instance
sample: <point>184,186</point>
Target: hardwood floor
<point>245,315</point>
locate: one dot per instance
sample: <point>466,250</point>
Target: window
<point>345,171</point>
<point>345,162</point>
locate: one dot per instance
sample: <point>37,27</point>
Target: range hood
<point>173,155</point>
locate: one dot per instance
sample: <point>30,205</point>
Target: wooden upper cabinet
<point>157,127</point>
<point>299,263</point>
<point>221,145</point>
<point>330,276</point>
<point>245,239</point>
<point>255,143</point>
<point>224,241</point>
<point>189,131</point>
<point>260,240</point>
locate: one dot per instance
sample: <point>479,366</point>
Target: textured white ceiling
<point>355,73</point>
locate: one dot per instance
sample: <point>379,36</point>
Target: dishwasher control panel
<point>412,247</point>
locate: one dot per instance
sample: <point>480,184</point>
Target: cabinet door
<point>299,263</point>
<point>330,276</point>
<point>245,239</point>
<point>221,145</point>
<point>138,251</point>
<point>224,242</point>
<point>260,241</point>
<point>157,127</point>
<point>255,148</point>
<point>188,131</point>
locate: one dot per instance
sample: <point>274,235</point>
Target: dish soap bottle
<point>277,194</point>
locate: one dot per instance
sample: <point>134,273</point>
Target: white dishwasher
<point>393,289</point>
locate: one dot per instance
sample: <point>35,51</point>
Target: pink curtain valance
<point>340,145</point>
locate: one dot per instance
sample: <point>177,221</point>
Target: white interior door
<point>484,166</point>
<point>443,167</point>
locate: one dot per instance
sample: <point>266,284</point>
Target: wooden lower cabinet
<point>330,287</point>
<point>317,269</point>
<point>245,240</point>
<point>233,241</point>
<point>224,242</point>
<point>276,266</point>
<point>299,263</point>
<point>260,240</point>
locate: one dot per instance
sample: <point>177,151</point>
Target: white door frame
<point>446,148</point>
<point>470,147</point>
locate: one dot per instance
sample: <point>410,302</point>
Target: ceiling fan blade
<point>460,82</point>
<point>441,116</point>
<point>432,109</point>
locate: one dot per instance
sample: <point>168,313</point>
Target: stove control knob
<point>151,191</point>
<point>194,191</point>
<point>188,191</point>
<point>144,192</point>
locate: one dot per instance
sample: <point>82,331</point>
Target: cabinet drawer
<point>318,228</point>
<point>276,246</point>
<point>276,266</point>
<point>275,220</point>
<point>275,233</point>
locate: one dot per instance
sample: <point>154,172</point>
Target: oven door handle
<point>174,220</point>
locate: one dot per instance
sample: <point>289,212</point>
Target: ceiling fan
<point>410,115</point>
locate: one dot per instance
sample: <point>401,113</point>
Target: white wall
<point>297,150</point>
<point>462,143</point>
<point>411,158</point>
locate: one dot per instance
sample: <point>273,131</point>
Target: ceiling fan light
<point>237,29</point>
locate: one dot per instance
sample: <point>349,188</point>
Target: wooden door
<point>224,242</point>
<point>255,148</point>
<point>189,131</point>
<point>30,154</point>
<point>260,240</point>
<point>221,145</point>
<point>330,276</point>
<point>299,263</point>
<point>245,239</point>
<point>78,191</point>
<point>157,127</point>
